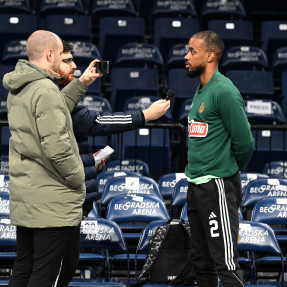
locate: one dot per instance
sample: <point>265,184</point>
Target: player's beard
<point>199,70</point>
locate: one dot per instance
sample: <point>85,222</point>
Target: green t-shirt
<point>220,139</point>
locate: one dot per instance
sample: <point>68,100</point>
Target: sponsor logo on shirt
<point>197,129</point>
<point>201,108</point>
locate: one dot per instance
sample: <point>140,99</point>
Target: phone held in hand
<point>103,67</point>
<point>103,154</point>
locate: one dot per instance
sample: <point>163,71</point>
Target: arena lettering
<point>8,235</point>
<point>282,214</point>
<point>272,208</point>
<point>252,232</point>
<point>122,187</point>
<point>183,189</point>
<point>98,237</point>
<point>144,212</point>
<point>252,239</point>
<point>4,189</point>
<point>7,228</point>
<point>134,192</point>
<point>169,183</point>
<point>277,193</point>
<point>262,188</point>
<point>138,205</point>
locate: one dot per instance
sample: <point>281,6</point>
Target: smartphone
<point>102,67</point>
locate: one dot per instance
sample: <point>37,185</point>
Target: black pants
<point>46,257</point>
<point>214,224</point>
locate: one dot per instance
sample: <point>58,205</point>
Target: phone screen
<point>102,67</point>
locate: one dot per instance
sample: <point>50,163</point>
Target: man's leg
<point>24,261</point>
<point>204,267</point>
<point>49,248</point>
<point>70,259</point>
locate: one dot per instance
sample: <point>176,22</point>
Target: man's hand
<point>90,74</point>
<point>102,163</point>
<point>156,110</point>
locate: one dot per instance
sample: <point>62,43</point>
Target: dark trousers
<point>214,224</point>
<point>46,257</point>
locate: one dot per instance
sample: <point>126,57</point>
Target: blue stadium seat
<point>279,64</point>
<point>16,27</point>
<point>133,213</point>
<point>94,213</point>
<point>117,31</point>
<point>246,177</point>
<point>4,183</point>
<point>166,8</point>
<point>4,169</point>
<point>171,31</point>
<point>15,6</point>
<point>183,215</point>
<point>264,112</point>
<point>184,111</point>
<point>270,145</point>
<point>277,169</point>
<point>175,58</point>
<point>259,239</point>
<point>178,198</point>
<point>183,86</point>
<point>134,165</point>
<point>130,186</point>
<point>4,205</point>
<point>84,53</point>
<point>7,243</point>
<point>167,183</point>
<point>244,58</point>
<point>262,188</point>
<point>111,8</point>
<point>101,234</point>
<point>142,103</point>
<point>230,9</point>
<point>103,177</point>
<point>14,51</point>
<point>233,32</point>
<point>272,211</point>
<point>96,87</point>
<point>61,7</point>
<point>70,27</point>
<point>143,55</point>
<point>131,82</point>
<point>253,84</point>
<point>149,145</point>
<point>96,103</point>
<point>273,37</point>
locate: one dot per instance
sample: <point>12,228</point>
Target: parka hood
<point>25,73</point>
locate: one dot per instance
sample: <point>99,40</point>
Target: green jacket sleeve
<point>231,108</point>
<point>73,93</point>
<point>56,138</point>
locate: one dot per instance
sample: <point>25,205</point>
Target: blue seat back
<point>61,7</point>
<point>271,210</point>
<point>142,103</point>
<point>264,112</point>
<point>276,169</point>
<point>273,36</point>
<point>117,31</point>
<point>183,214</point>
<point>14,51</point>
<point>233,32</point>
<point>138,166</point>
<point>176,54</point>
<point>131,82</point>
<point>85,52</point>
<point>279,63</point>
<point>167,183</point>
<point>258,237</point>
<point>96,103</point>
<point>136,209</point>
<point>261,188</point>
<point>15,27</point>
<point>246,177</point>
<point>94,213</point>
<point>8,6</point>
<point>253,84</point>
<point>244,58</point>
<point>4,183</point>
<point>102,233</point>
<point>4,205</point>
<point>171,31</point>
<point>70,27</point>
<point>103,177</point>
<point>129,185</point>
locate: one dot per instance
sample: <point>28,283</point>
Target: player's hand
<point>102,162</point>
<point>90,74</point>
